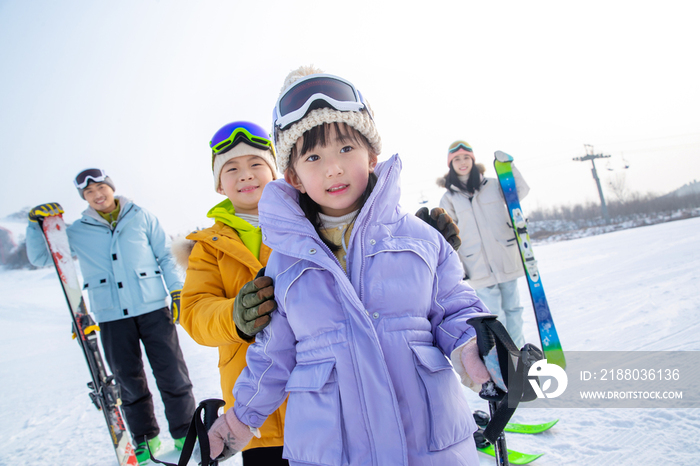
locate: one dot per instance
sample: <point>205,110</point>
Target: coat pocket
<point>450,417</point>
<point>510,255</point>
<point>312,430</point>
<point>151,285</point>
<point>99,292</point>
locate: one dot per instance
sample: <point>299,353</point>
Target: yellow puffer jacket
<point>219,265</point>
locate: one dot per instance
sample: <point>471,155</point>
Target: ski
<point>551,346</point>
<point>482,420</point>
<point>514,457</point>
<point>104,393</point>
<point>530,428</point>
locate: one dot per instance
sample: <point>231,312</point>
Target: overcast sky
<point>139,87</point>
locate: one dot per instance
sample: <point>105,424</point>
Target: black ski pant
<point>121,342</point>
<point>264,456</point>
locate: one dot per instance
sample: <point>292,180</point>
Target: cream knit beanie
<point>360,121</point>
<point>239,150</point>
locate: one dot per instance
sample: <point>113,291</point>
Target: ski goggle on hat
<point>240,131</point>
<point>316,91</point>
<point>459,145</point>
<point>95,175</point>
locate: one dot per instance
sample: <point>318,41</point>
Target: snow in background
<point>635,289</point>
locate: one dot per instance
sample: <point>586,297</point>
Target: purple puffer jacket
<point>362,355</point>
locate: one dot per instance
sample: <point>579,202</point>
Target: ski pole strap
<point>508,367</point>
<point>197,429</point>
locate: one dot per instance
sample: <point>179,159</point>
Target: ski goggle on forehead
<point>460,146</point>
<point>236,132</point>
<point>316,91</point>
<point>91,174</point>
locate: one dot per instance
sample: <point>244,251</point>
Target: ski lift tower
<point>590,155</point>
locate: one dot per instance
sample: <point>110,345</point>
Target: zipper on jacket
<point>481,241</point>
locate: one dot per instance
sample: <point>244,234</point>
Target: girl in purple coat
<point>370,302</point>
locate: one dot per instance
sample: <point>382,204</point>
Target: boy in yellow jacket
<point>223,304</point>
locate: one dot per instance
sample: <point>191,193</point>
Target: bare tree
<point>618,186</point>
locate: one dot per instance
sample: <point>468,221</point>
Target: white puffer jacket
<point>489,250</point>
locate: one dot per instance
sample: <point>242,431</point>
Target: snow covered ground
<point>636,289</point>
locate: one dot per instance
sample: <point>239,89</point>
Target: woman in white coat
<point>489,250</point>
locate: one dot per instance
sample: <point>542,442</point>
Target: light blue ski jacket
<point>362,355</point>
<point>123,269</point>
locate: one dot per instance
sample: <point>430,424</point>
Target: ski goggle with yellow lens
<point>312,92</point>
<point>240,131</point>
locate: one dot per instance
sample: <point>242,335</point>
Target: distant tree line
<point>634,210</point>
<point>634,204</point>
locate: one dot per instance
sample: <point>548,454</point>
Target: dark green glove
<point>442,222</point>
<point>252,306</point>
<point>175,305</point>
<point>44,210</point>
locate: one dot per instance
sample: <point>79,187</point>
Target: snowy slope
<point>635,289</point>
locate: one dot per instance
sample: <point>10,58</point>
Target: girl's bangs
<point>322,134</point>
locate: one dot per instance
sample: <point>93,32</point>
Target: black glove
<point>175,305</point>
<point>442,222</point>
<point>44,210</point>
<point>252,306</point>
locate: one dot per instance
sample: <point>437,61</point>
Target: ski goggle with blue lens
<point>460,146</point>
<point>91,174</point>
<point>240,131</point>
<point>316,91</point>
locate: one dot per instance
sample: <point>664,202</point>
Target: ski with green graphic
<point>514,457</point>
<point>482,419</point>
<point>551,346</point>
<point>529,428</point>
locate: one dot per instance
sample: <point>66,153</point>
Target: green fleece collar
<point>251,236</point>
<point>111,217</point>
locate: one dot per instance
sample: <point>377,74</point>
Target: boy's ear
<point>294,180</point>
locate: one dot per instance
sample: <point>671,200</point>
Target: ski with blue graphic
<point>551,346</point>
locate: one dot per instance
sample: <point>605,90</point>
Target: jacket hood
<point>225,213</point>
<point>180,249</point>
<point>280,213</point>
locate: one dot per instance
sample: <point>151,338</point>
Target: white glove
<point>502,156</point>
<point>228,435</point>
<point>469,365</point>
